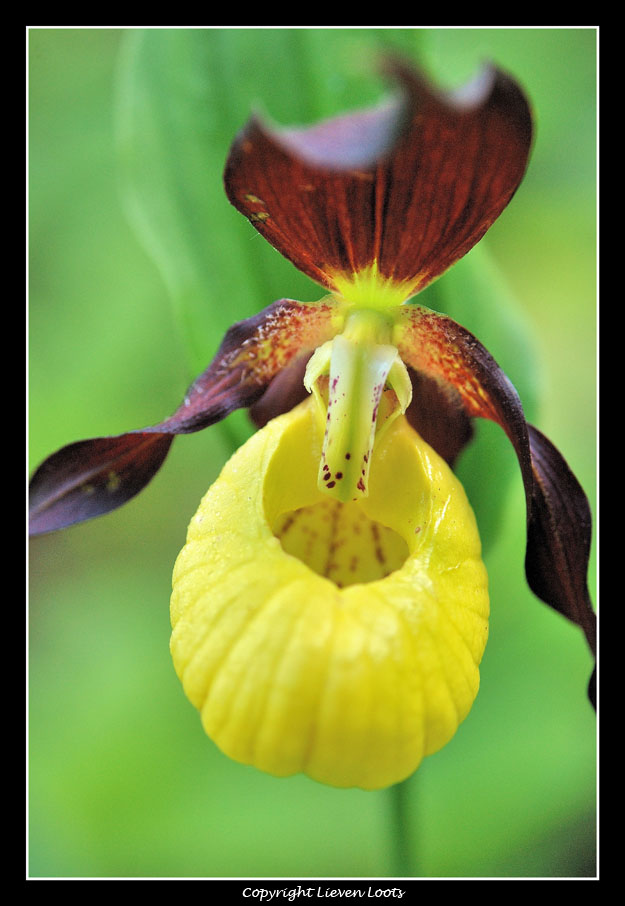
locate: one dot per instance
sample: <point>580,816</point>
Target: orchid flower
<point>330,606</point>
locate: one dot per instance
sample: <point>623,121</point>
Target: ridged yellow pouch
<point>341,640</point>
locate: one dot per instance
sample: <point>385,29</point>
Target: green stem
<point>401,830</point>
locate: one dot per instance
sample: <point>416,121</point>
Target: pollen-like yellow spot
<point>112,481</point>
<point>338,640</point>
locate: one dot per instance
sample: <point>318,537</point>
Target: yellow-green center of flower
<point>368,288</point>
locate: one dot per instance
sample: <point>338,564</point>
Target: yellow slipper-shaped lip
<point>338,640</point>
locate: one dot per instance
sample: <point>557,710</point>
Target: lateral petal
<point>558,514</point>
<point>92,477</point>
<point>559,536</point>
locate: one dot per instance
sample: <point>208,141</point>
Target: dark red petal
<point>558,515</point>
<point>252,353</point>
<point>93,477</point>
<point>439,347</point>
<point>559,535</point>
<point>438,415</point>
<point>283,393</point>
<point>411,185</point>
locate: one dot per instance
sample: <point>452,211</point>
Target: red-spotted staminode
<point>330,605</point>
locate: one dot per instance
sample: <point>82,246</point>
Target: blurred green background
<point>138,264</point>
